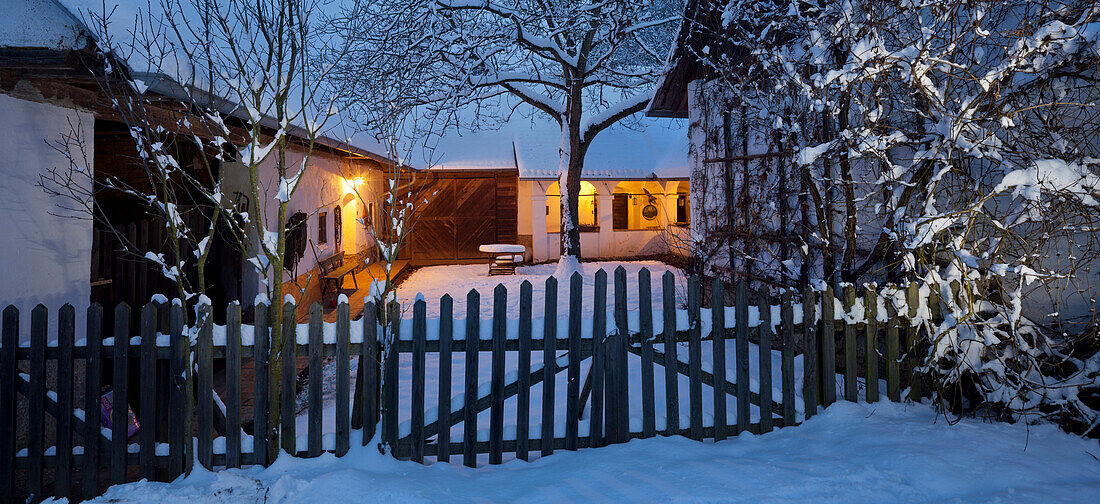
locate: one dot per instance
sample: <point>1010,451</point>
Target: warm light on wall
<point>350,185</point>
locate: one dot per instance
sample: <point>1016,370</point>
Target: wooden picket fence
<point>178,406</point>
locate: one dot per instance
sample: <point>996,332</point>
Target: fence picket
<point>672,376</point>
<point>573,390</point>
<point>617,396</point>
<point>496,384</point>
<point>828,346</point>
<point>8,410</point>
<point>316,353</point>
<point>261,432</point>
<point>549,363</point>
<point>288,431</point>
<point>599,354</point>
<point>178,370</point>
<point>645,316</point>
<point>66,331</point>
<point>390,380</point>
<point>718,354</point>
<point>36,404</point>
<point>446,335</point>
<point>233,385</point>
<point>810,383</point>
<point>695,361</point>
<point>419,335</point>
<point>893,373</point>
<point>913,337</point>
<point>523,399</point>
<point>851,388</point>
<point>119,404</point>
<point>786,369</point>
<point>343,379</point>
<point>870,341</point>
<point>765,305</point>
<point>369,367</point>
<point>205,383</point>
<point>742,356</point>
<point>147,402</point>
<point>469,420</point>
<point>89,479</point>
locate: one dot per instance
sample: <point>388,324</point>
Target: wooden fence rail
<point>105,406</point>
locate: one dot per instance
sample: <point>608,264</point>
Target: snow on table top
<point>501,248</point>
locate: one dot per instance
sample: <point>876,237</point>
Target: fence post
<point>36,403</point>
<point>893,374</point>
<point>913,332</point>
<point>288,431</point>
<point>695,360</point>
<point>645,316</point>
<point>446,335</point>
<point>92,438</point>
<point>343,378</point>
<point>599,354</point>
<point>617,397</point>
<point>66,330</point>
<point>148,401</point>
<point>549,362</point>
<point>205,383</point>
<point>718,356</point>
<point>390,380</point>
<point>261,431</point>
<point>8,361</point>
<point>870,334</point>
<point>851,389</point>
<point>316,353</point>
<point>119,403</point>
<point>787,367</point>
<point>765,307</point>
<point>672,375</point>
<point>523,399</point>
<point>810,375</point>
<point>573,387</point>
<point>419,335</point>
<point>233,385</point>
<point>469,415</point>
<point>496,379</point>
<point>828,346</point>
<point>369,367</point>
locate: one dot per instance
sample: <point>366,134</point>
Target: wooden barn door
<point>470,209</point>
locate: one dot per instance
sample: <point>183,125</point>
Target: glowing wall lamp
<point>350,185</point>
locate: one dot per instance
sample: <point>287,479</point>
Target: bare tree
<point>240,82</point>
<point>945,142</point>
<point>586,65</point>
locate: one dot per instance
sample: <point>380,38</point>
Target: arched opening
<point>637,205</point>
<point>588,214</point>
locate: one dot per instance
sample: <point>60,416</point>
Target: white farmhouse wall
<point>46,256</point>
<point>321,189</point>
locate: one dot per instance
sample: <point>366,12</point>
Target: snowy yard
<point>852,453</point>
<point>435,281</point>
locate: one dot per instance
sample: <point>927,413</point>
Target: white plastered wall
<point>46,251</point>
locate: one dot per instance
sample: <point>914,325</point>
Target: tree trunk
<point>570,166</point>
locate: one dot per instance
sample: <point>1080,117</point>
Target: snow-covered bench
<point>503,258</point>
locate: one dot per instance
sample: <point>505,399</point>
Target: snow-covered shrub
<point>937,141</point>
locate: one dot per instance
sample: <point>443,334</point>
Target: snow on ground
<point>851,453</point>
<point>457,280</point>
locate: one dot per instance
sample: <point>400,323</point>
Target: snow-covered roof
<point>41,24</point>
<point>651,149</point>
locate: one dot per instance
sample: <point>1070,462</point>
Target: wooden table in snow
<point>503,258</point>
